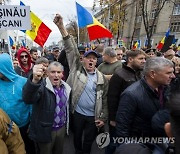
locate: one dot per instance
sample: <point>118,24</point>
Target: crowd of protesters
<point>133,92</point>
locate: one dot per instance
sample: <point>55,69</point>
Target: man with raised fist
<point>50,115</point>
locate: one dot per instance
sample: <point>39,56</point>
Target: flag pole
<point>77,24</point>
<point>78,35</point>
<point>9,48</point>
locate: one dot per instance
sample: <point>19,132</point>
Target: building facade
<point>133,28</point>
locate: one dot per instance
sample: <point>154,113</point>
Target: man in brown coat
<point>10,137</point>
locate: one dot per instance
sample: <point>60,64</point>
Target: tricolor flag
<point>161,43</point>
<point>84,17</point>
<point>23,43</point>
<point>173,42</point>
<point>145,41</point>
<point>94,27</point>
<point>11,42</point>
<point>168,32</point>
<point>137,44</point>
<point>39,31</point>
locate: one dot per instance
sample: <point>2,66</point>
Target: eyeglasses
<point>24,56</point>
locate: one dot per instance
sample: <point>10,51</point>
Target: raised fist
<point>38,71</point>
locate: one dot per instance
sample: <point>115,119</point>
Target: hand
<point>38,72</point>
<point>58,20</point>
<point>168,129</point>
<point>99,123</point>
<point>113,123</point>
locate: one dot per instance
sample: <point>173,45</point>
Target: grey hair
<point>156,64</point>
<point>42,60</point>
<point>57,64</point>
<point>110,52</point>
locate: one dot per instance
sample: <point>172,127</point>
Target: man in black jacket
<point>140,101</point>
<point>54,55</point>
<point>124,77</point>
<point>172,128</point>
<point>50,114</point>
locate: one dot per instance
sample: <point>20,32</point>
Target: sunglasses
<point>24,56</point>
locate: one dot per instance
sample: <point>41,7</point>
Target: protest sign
<point>14,17</point>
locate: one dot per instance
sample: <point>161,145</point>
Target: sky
<point>46,10</point>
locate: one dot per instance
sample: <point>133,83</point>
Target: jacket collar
<point>50,87</point>
<point>124,65</point>
<point>100,79</point>
<point>149,88</point>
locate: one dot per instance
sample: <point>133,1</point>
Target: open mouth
<point>90,64</point>
<point>56,80</point>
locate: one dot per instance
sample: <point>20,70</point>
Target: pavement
<point>69,146</point>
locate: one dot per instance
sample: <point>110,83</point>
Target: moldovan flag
<point>161,44</point>
<point>39,31</point>
<point>173,42</point>
<point>135,46</point>
<point>94,27</point>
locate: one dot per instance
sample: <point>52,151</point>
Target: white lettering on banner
<point>14,17</point>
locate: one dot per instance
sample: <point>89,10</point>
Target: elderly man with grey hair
<point>50,114</point>
<point>140,101</point>
<point>110,62</point>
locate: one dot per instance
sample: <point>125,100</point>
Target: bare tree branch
<point>149,22</point>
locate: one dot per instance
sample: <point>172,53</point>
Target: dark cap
<point>150,50</point>
<point>81,49</point>
<point>90,52</point>
<point>55,48</point>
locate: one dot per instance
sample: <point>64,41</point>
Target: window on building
<point>139,19</point>
<point>176,10</point>
<point>153,13</point>
<point>175,27</point>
